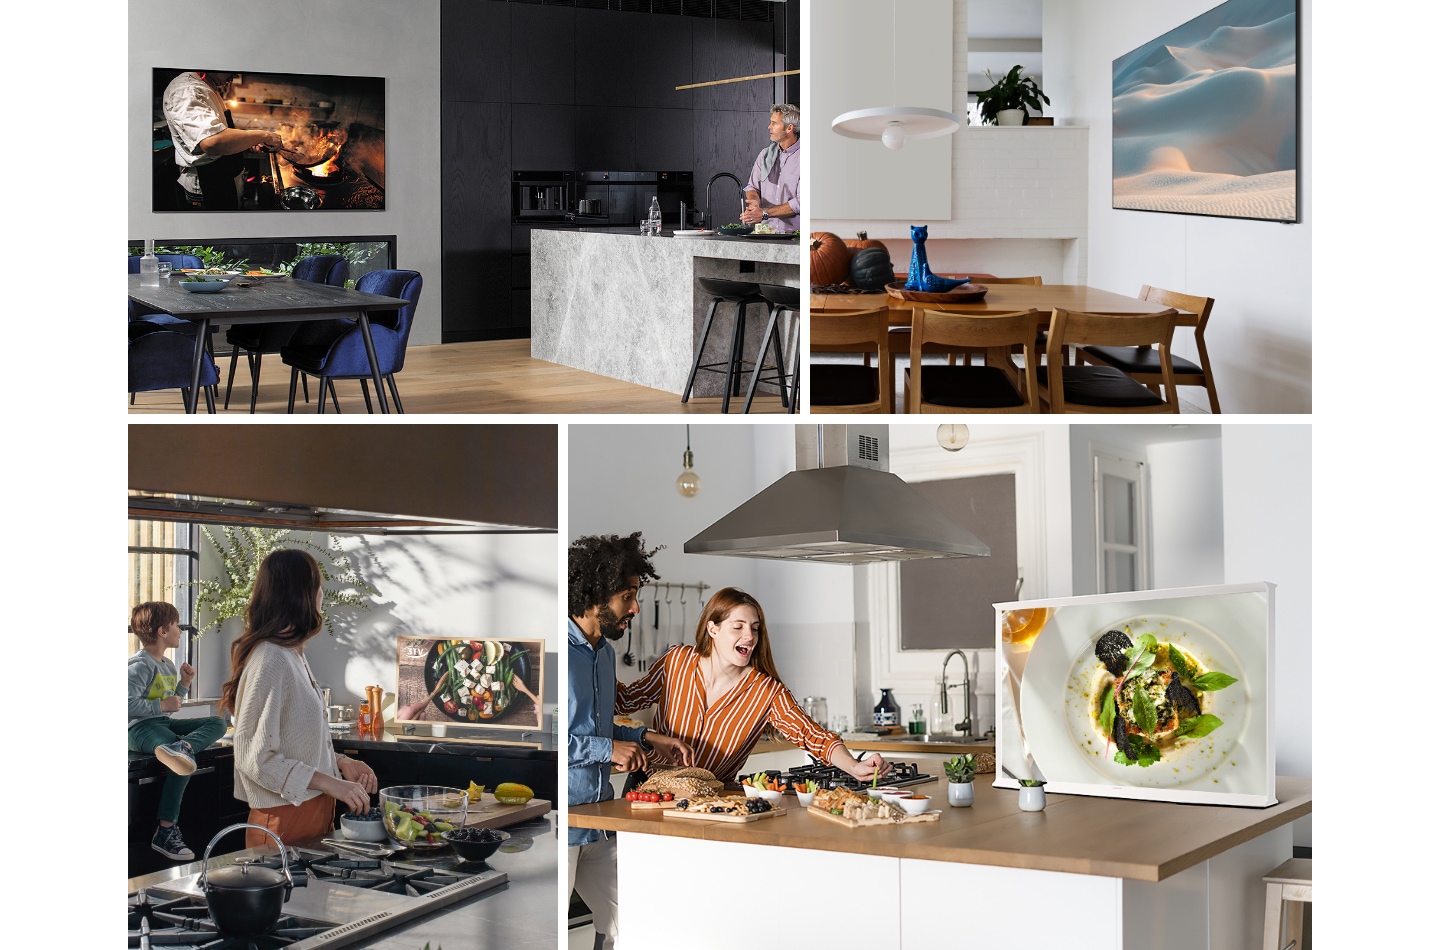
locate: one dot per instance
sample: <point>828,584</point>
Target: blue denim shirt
<point>592,727</point>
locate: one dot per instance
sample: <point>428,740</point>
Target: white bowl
<point>751,791</point>
<point>806,798</point>
<point>881,791</point>
<point>362,830</point>
<point>912,806</point>
<point>771,797</point>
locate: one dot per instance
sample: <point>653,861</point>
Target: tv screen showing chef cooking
<point>1161,695</point>
<point>240,141</point>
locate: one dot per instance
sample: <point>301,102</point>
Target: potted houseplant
<point>960,771</point>
<point>1007,100</point>
<point>1032,794</point>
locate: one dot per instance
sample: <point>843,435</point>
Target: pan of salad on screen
<point>476,682</point>
<point>1161,694</point>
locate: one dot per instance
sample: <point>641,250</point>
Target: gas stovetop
<point>338,900</point>
<point>828,776</point>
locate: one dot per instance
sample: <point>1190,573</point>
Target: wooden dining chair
<point>848,387</point>
<point>1142,363</point>
<point>1085,388</point>
<point>988,388</point>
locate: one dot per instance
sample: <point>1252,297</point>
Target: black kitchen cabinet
<point>542,54</point>
<point>605,138</point>
<point>475,221</point>
<point>725,49</point>
<point>209,805</point>
<point>664,139</point>
<point>542,136</point>
<point>633,59</point>
<point>475,50</point>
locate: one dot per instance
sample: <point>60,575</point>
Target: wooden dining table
<point>265,300</point>
<point>1004,298</point>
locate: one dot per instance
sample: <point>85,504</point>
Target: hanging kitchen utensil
<point>628,658</point>
<point>246,899</point>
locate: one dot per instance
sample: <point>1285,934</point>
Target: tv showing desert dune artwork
<point>1204,116</point>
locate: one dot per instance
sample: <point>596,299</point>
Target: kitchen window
<point>161,562</point>
<point>1122,550</point>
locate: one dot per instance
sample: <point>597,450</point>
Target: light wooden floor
<point>490,377</point>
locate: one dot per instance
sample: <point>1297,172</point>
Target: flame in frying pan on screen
<point>319,149</point>
<point>326,169</point>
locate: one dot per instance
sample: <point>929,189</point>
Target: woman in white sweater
<point>286,767</point>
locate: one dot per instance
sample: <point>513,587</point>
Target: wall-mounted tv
<point>1205,116</point>
<point>241,141</point>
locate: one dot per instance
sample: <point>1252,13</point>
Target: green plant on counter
<point>243,550</point>
<point>1032,783</point>
<point>1011,92</point>
<point>961,769</point>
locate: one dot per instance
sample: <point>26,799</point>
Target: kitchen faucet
<point>709,198</point>
<point>963,726</point>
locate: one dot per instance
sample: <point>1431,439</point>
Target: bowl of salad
<point>735,230</point>
<point>205,283</point>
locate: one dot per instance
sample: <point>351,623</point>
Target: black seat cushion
<point>840,384</point>
<point>788,297</point>
<point>968,387</point>
<point>1141,359</point>
<point>1101,386</point>
<point>731,290</point>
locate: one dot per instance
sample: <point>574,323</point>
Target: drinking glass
<point>841,725</point>
<point>164,268</point>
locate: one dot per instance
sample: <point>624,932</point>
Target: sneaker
<point>178,756</point>
<point>169,843</point>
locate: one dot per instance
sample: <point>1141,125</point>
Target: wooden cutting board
<point>651,806</point>
<point>500,816</point>
<point>732,819</point>
<point>867,822</point>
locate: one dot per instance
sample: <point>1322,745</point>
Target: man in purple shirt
<point>773,193</point>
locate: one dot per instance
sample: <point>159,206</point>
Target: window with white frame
<point>1122,550</point>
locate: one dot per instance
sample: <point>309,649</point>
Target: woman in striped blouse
<point>721,693</point>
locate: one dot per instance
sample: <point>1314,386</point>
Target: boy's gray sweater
<point>151,680</point>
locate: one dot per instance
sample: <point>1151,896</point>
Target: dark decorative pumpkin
<point>870,268</point>
<point>829,258</point>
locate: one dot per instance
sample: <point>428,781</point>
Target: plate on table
<point>692,233</point>
<point>779,236</point>
<point>207,285</point>
<point>965,293</point>
<point>1062,677</point>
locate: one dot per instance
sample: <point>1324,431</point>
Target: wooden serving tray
<point>651,806</point>
<point>499,816</point>
<point>965,293</point>
<point>867,822</point>
<point>732,819</point>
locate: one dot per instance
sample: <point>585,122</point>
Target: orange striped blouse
<point>722,737</point>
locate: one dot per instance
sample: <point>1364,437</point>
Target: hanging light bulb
<point>894,135</point>
<point>952,438</point>
<point>688,484</point>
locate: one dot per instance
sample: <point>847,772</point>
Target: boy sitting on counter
<point>156,688</point>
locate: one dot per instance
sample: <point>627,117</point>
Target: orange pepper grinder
<point>377,719</point>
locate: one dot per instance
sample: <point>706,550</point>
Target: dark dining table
<point>265,300</point>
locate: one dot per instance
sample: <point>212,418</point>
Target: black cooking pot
<point>246,900</point>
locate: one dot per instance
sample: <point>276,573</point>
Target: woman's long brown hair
<point>281,611</point>
<point>720,606</point>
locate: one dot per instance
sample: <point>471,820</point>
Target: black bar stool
<point>781,299</point>
<point>742,294</point>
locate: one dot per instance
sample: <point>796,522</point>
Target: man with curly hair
<point>605,577</point>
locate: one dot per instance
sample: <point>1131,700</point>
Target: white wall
<point>400,42</point>
<point>1267,479</point>
<point>1259,273</point>
<point>1187,524</point>
<point>432,586</point>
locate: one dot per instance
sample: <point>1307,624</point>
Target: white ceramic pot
<point>961,794</point>
<point>1010,117</point>
<point>1032,798</point>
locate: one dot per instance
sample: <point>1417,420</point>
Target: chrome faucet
<point>963,726</point>
<point>709,198</point>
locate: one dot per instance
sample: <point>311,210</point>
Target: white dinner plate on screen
<point>1222,632</point>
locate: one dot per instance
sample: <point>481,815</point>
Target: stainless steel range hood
<point>358,479</point>
<point>840,505</point>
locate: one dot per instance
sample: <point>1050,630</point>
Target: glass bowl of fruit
<point>417,816</point>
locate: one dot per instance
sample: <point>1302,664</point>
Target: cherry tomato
<point>629,796</point>
<point>668,797</point>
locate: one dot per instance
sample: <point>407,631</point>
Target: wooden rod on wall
<point>721,82</point>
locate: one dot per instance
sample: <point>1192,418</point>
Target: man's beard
<point>611,624</point>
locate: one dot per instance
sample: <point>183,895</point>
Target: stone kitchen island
<point>612,302</point>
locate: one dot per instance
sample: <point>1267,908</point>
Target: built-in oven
<point>541,195</point>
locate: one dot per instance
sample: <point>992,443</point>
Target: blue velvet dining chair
<point>336,350</point>
<point>160,359</point>
<point>257,339</point>
<point>145,319</point>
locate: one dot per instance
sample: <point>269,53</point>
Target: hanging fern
<point>241,554</point>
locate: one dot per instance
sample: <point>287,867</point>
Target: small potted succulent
<point>1007,99</point>
<point>961,773</point>
<point>1032,794</point>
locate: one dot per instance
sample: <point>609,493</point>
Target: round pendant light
<point>895,125</point>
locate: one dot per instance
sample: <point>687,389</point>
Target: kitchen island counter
<point>629,307</point>
<point>1085,873</point>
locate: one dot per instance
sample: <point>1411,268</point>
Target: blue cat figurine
<point>920,277</point>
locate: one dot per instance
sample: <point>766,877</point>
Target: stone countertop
<point>1076,834</point>
<point>518,915</point>
<point>667,246</point>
